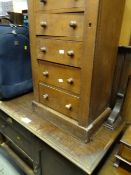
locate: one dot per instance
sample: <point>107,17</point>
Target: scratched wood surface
<point>85,156</point>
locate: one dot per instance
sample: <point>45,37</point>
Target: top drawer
<point>62,25</point>
<point>58,4</point>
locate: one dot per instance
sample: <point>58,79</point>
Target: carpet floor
<point>7,165</point>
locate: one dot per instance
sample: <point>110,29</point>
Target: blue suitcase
<point>15,62</point>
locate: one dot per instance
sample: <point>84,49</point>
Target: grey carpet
<point>7,165</point>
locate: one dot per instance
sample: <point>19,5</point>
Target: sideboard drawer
<point>60,101</point>
<point>16,138</point>
<point>3,125</point>
<point>69,25</point>
<point>59,51</point>
<point>64,77</point>
<point>58,4</point>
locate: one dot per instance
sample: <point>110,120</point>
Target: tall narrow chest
<point>73,47</point>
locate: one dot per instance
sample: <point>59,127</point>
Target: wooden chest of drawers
<point>74,46</point>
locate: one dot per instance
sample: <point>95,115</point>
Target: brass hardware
<point>18,138</point>
<point>3,126</point>
<point>70,81</point>
<point>68,106</point>
<point>44,1</point>
<point>70,53</point>
<point>45,96</point>
<point>43,24</point>
<point>9,120</point>
<point>73,24</point>
<point>46,73</point>
<point>43,49</point>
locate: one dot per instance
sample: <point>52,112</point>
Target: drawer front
<point>15,137</point>
<point>64,77</point>
<point>126,153</point>
<point>2,125</point>
<point>60,25</point>
<point>58,51</point>
<point>58,4</point>
<point>68,104</point>
<point>19,140</point>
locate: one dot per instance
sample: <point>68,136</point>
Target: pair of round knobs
<point>68,106</point>
<point>72,24</point>
<point>70,80</point>
<point>69,53</point>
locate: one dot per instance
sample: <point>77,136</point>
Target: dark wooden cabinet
<point>55,164</point>
<point>22,143</point>
<point>37,155</point>
<point>74,48</point>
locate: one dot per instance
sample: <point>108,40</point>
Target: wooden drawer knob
<point>43,24</point>
<point>45,96</point>
<point>9,120</point>
<point>70,80</point>
<point>3,126</point>
<point>68,106</point>
<point>46,73</point>
<point>70,53</point>
<point>43,49</point>
<point>73,24</point>
<point>18,138</point>
<point>43,1</point>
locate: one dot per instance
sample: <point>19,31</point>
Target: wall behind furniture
<point>5,6</point>
<point>126,27</point>
<point>19,5</point>
<point>127,104</point>
<point>125,40</point>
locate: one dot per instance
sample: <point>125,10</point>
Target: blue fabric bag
<point>15,62</point>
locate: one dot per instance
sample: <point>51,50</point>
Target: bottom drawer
<point>20,136</point>
<point>15,137</point>
<point>60,101</point>
<point>18,140</point>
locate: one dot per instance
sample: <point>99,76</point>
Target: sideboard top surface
<point>85,156</point>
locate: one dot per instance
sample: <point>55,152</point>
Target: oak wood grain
<point>55,5</point>
<point>57,51</point>
<point>97,28</point>
<point>107,39</point>
<point>59,25</point>
<point>32,46</point>
<point>50,97</point>
<point>85,156</point>
<point>60,76</point>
